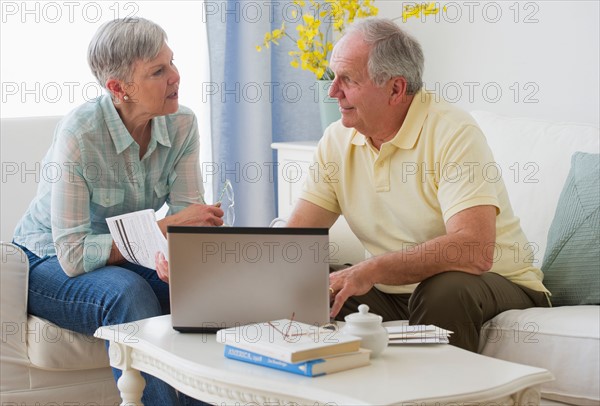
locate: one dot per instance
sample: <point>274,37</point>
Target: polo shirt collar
<point>407,136</point>
<point>358,138</point>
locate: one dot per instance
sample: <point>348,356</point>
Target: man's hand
<point>472,230</point>
<point>353,281</point>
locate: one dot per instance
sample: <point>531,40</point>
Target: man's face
<point>364,106</point>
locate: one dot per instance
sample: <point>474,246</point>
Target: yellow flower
<point>415,10</point>
<point>278,33</point>
<point>410,11</point>
<point>308,20</point>
<point>338,24</point>
<point>318,18</point>
<point>431,8</point>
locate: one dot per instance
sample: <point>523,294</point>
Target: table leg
<point>131,385</point>
<point>528,397</point>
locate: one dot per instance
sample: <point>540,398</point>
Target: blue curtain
<point>256,98</point>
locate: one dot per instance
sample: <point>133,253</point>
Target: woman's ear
<point>116,90</point>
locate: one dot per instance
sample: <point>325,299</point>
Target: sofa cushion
<point>534,157</point>
<point>563,340</point>
<point>54,348</point>
<point>571,265</point>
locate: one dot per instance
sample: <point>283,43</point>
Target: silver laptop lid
<point>226,276</point>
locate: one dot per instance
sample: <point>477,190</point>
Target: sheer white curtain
<point>43,65</point>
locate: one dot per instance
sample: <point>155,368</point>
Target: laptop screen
<point>226,276</point>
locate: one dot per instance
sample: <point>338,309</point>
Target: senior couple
<point>454,237</point>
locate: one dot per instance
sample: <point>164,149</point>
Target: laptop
<point>224,277</point>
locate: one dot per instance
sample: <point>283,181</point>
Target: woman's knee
<point>106,296</point>
<point>127,296</point>
<point>121,295</point>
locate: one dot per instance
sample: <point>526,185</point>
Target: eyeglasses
<point>291,337</point>
<point>226,199</point>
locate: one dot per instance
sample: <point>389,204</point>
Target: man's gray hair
<point>393,52</point>
<point>119,43</point>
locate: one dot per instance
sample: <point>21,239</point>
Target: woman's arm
<point>77,248</point>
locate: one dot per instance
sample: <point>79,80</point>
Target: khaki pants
<point>456,301</point>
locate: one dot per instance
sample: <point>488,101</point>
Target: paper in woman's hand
<point>138,237</point>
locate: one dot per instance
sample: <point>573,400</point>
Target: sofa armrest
<point>564,340</point>
<point>14,272</point>
<point>13,288</point>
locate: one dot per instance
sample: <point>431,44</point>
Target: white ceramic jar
<point>368,327</point>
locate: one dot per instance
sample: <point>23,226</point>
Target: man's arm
<point>467,246</point>
<point>307,214</point>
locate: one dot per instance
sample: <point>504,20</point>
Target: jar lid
<point>363,316</point>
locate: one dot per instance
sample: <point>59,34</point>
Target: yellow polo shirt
<point>437,165</point>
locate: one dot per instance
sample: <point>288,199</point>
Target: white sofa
<point>42,363</point>
<point>535,159</point>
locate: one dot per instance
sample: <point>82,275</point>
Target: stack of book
<point>294,347</point>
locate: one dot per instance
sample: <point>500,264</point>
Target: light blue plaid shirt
<point>93,171</point>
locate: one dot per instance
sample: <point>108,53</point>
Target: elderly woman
<point>131,149</point>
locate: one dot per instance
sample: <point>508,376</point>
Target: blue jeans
<point>107,296</point>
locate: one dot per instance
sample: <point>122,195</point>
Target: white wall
<point>527,58</point>
<point>44,72</point>
<point>43,64</point>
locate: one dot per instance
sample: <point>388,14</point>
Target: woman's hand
<point>200,215</point>
<point>194,215</point>
<point>162,267</point>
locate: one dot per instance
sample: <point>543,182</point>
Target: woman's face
<point>154,88</point>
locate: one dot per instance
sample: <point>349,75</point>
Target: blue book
<point>315,367</point>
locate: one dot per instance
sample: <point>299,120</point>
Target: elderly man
<point>409,174</point>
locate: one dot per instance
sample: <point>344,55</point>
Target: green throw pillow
<point>572,261</point>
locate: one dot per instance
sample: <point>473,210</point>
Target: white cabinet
<point>293,166</point>
<point>294,162</point>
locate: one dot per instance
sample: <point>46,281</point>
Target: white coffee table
<point>427,374</point>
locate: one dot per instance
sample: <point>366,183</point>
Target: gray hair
<point>393,52</point>
<point>119,43</point>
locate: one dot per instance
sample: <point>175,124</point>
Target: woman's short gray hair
<point>393,52</point>
<point>119,43</point>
